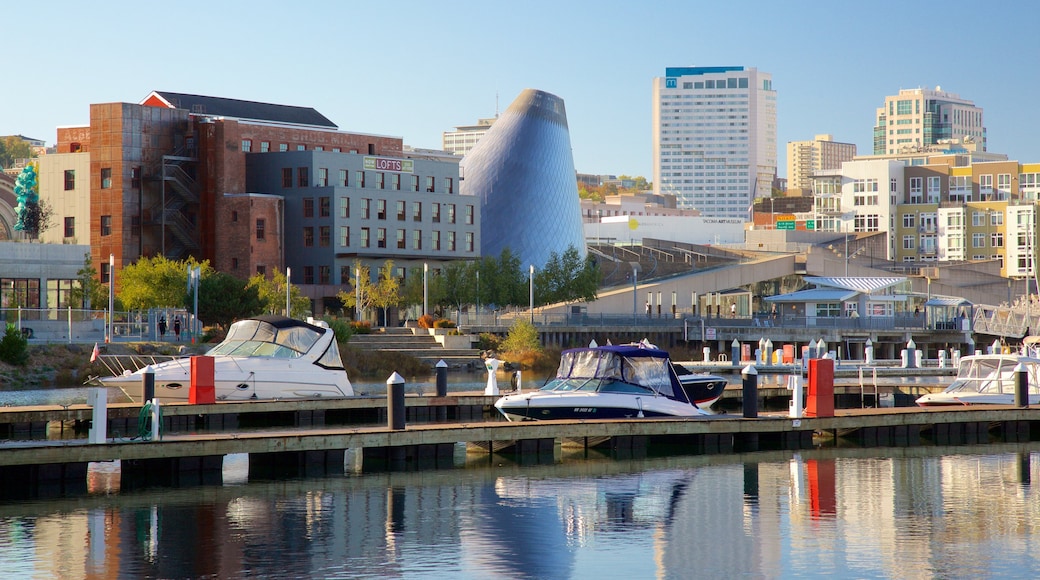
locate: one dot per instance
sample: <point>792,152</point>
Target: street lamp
<point>357,293</point>
<point>111,293</point>
<point>425,292</point>
<point>478,296</point>
<point>532,293</point>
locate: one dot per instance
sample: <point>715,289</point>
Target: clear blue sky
<point>414,69</point>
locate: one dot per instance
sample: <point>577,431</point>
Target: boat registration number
<point>584,409</point>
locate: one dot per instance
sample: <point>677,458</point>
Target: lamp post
<point>635,290</point>
<point>288,273</point>
<point>357,293</point>
<point>425,294</point>
<point>532,293</point>
<point>478,296</point>
<point>111,293</point>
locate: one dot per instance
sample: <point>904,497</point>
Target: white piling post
<point>492,381</point>
<point>519,382</point>
<point>97,398</point>
<point>156,420</point>
<point>794,384</point>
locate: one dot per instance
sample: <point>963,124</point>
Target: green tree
<point>224,299</point>
<point>13,147</point>
<point>361,290</point>
<point>14,348</point>
<point>272,296</point>
<point>88,292</point>
<point>157,282</point>
<point>386,293</point>
<point>522,339</point>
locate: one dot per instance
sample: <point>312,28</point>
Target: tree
<point>13,147</point>
<point>361,290</point>
<point>567,278</point>
<point>386,293</point>
<point>157,282</point>
<point>522,339</point>
<point>224,299</point>
<point>88,291</point>
<point>272,296</point>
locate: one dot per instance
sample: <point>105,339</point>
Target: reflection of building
<point>523,173</point>
<point>714,137</point>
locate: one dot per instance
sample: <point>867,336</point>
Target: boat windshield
<point>988,375</point>
<point>596,370</point>
<point>259,338</point>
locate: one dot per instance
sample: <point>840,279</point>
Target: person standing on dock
<point>177,327</point>
<point>162,328</point>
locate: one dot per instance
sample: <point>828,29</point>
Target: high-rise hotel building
<point>714,138</point>
<point>916,119</point>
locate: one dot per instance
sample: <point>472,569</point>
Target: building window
<point>325,236</point>
<point>283,147</point>
<point>978,240</point>
<point>400,211</point>
<point>449,185</point>
<point>308,274</point>
<point>261,224</point>
<point>324,274</point>
<point>435,213</point>
<point>287,177</point>
<point>381,237</point>
<point>325,206</point>
<point>344,207</point>
<point>451,213</point>
<point>435,238</point>
<point>70,227</point>
<point>106,273</point>
<point>909,220</point>
<point>469,215</point>
<point>106,225</point>
<point>234,216</point>
<point>344,236</point>
<point>365,203</point>
<point>908,242</point>
<point>996,240</point>
<point>323,177</point>
<point>400,240</point>
<point>301,177</point>
<point>106,178</point>
<point>978,218</point>
<point>416,211</point>
<point>451,241</point>
<point>135,226</point>
<point>70,179</point>
<point>380,180</point>
<point>234,263</point>
<point>365,237</point>
<point>429,184</point>
<point>265,146</point>
<point>308,237</point>
<point>415,183</point>
<point>261,269</point>
<point>381,209</point>
<point>301,147</point>
<point>344,275</point>
<point>343,177</point>
<point>247,145</point>
<point>135,178</point>
<point>469,242</point>
<point>395,181</point>
<point>996,219</point>
<point>416,239</point>
<point>359,179</point>
<point>308,207</point>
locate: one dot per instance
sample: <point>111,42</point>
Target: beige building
<point>807,157</point>
<point>920,117</point>
<point>65,189</point>
<point>463,138</point>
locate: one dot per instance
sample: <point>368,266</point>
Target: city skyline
<point>414,70</point>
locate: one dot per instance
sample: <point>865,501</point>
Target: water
<point>923,512</point>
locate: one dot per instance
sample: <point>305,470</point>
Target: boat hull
<point>703,390</point>
<point>539,406</point>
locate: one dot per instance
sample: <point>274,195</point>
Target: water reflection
<point>913,512</point>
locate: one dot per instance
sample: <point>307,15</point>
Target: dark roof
<point>221,107</point>
<point>632,350</point>
<point>278,321</point>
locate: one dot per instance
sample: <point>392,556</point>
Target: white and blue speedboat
<point>614,381</point>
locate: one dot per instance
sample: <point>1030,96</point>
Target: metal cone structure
<point>523,172</point>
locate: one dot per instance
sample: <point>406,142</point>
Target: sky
<point>414,69</point>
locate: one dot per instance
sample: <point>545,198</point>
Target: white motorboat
<point>264,357</point>
<point>988,379</point>
<point>607,382</point>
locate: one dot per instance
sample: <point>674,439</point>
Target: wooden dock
<point>299,438</point>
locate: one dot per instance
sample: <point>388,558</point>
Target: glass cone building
<point>522,171</point>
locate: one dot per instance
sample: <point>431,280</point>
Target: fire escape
<point>177,212</point>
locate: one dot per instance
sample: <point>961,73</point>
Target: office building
<point>463,138</point>
<point>714,138</point>
<point>917,118</point>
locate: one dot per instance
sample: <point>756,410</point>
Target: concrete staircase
<point>423,346</point>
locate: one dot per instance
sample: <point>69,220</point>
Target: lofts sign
<point>389,164</point>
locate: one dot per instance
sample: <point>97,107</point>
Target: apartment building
<point>917,118</point>
<point>804,158</point>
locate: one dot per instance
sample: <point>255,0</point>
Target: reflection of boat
<point>987,379</point>
<point>265,357</point>
<point>607,382</point>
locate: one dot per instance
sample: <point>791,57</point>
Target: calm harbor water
<point>925,512</point>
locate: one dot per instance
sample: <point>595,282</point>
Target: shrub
<point>14,348</point>
<point>489,341</point>
<point>361,327</point>
<point>444,323</point>
<point>426,321</point>
<point>341,328</point>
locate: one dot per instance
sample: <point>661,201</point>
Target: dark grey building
<point>522,173</point>
<point>340,207</point>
